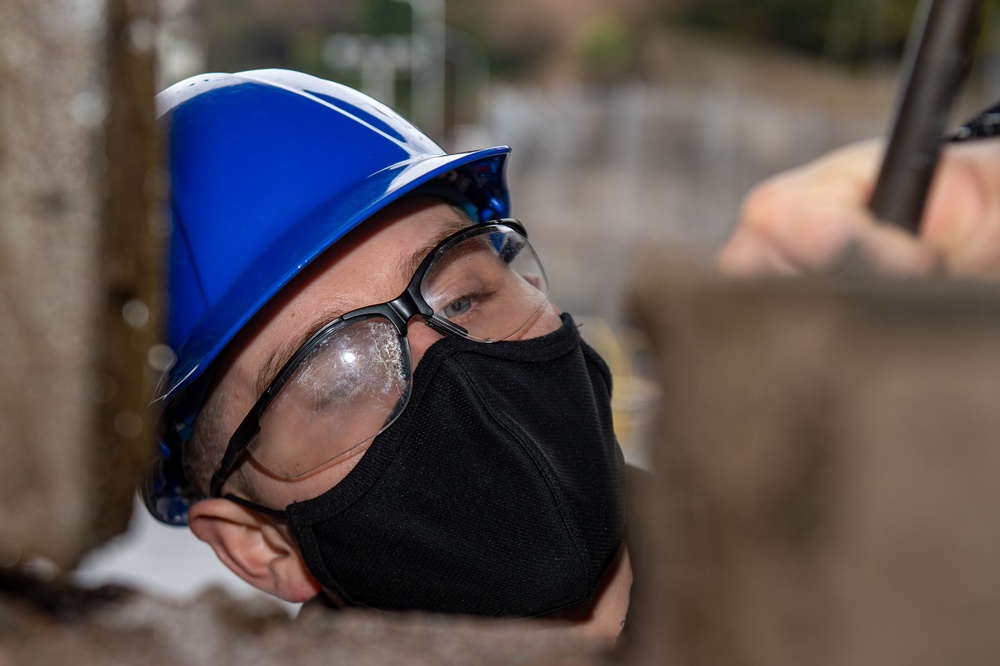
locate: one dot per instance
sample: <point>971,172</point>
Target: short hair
<point>208,440</point>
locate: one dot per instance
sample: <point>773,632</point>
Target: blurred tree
<point>587,38</point>
<point>517,36</point>
<point>845,31</point>
<point>383,17</point>
<point>245,34</point>
<point>607,48</point>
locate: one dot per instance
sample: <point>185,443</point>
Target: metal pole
<point>428,72</point>
<point>938,51</point>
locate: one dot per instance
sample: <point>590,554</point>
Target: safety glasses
<point>353,377</point>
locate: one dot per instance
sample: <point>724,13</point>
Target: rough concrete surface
<point>216,629</point>
<point>827,466</point>
<point>50,202</point>
<point>79,271</point>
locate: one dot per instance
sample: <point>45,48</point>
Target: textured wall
<point>216,629</point>
<point>827,459</point>
<point>78,271</point>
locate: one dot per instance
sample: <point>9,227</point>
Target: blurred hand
<point>802,220</point>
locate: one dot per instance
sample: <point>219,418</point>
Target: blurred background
<point>634,124</point>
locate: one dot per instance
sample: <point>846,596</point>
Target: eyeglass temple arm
<point>238,443</point>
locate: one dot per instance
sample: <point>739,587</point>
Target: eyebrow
<point>277,359</point>
<point>280,355</point>
<point>409,266</point>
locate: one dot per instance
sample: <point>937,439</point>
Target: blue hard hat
<point>268,169</point>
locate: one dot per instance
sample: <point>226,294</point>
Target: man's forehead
<point>396,264</point>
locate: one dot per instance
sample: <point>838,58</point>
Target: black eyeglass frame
<point>399,311</point>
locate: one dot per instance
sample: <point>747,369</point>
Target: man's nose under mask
<point>498,491</point>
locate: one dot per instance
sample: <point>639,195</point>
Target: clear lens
<point>350,388</point>
<point>490,283</point>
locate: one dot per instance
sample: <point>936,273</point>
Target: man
<point>801,220</point>
<point>373,401</point>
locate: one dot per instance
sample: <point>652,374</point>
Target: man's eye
<point>457,307</point>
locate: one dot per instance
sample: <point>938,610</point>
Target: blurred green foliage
<point>521,36</point>
<point>247,34</point>
<point>382,17</point>
<point>845,31</point>
<point>608,47</point>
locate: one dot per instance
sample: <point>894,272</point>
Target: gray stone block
<point>80,234</point>
<point>218,629</point>
<point>827,460</point>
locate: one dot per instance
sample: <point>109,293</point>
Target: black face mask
<point>499,490</point>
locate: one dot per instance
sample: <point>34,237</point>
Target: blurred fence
<point>597,172</point>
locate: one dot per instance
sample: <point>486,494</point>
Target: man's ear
<point>253,548</point>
